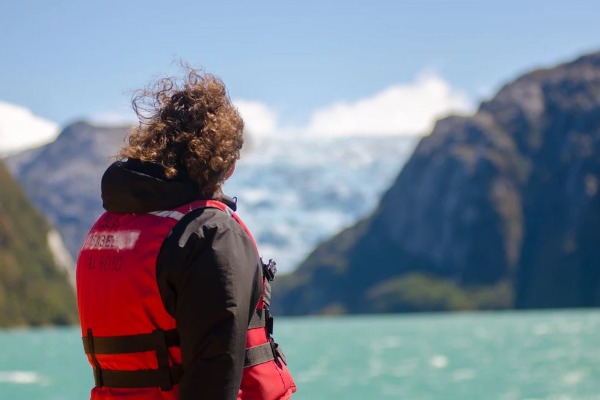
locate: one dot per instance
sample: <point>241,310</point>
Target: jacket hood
<point>137,187</point>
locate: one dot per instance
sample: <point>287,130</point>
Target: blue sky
<point>67,59</point>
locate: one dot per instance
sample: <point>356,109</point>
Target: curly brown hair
<point>191,125</point>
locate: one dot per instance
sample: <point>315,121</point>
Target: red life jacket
<point>130,338</point>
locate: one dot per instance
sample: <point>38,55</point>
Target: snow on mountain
<point>293,191</point>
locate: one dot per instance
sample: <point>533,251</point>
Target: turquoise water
<point>504,356</point>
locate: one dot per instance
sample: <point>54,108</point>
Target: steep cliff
<point>497,210</point>
<point>34,282</point>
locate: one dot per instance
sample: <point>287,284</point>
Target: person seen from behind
<point>173,297</point>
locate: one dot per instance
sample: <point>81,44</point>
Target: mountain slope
<point>293,191</point>
<point>62,178</point>
<point>502,208</point>
<point>34,288</point>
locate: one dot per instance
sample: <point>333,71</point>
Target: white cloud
<point>259,119</point>
<point>20,129</point>
<point>408,109</point>
<point>404,109</point>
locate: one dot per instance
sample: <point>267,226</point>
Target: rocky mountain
<point>34,274</point>
<point>293,191</point>
<point>497,210</point>
<point>62,178</point>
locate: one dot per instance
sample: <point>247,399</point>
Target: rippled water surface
<point>505,356</point>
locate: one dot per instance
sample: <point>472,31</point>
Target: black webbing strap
<point>128,344</point>
<point>267,293</point>
<point>140,378</point>
<point>258,319</point>
<point>159,341</point>
<point>258,355</point>
<point>89,341</point>
<point>162,356</point>
<point>267,300</point>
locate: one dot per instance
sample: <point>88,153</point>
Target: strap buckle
<point>278,353</point>
<point>269,269</point>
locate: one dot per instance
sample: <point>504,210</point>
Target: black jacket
<point>208,273</point>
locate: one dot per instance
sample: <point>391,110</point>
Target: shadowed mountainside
<point>34,286</point>
<point>497,210</point>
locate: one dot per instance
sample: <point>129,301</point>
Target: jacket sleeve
<point>208,273</point>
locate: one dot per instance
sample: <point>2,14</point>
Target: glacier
<point>296,191</point>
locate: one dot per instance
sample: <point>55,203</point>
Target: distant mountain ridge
<point>34,274</point>
<point>292,191</point>
<point>62,178</point>
<point>497,210</point>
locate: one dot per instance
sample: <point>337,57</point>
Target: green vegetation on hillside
<point>33,290</point>
<point>422,292</point>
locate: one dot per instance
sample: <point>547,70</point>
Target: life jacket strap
<point>264,353</point>
<point>159,341</point>
<point>141,378</point>
<point>258,319</point>
<point>267,293</point>
<point>128,343</point>
<point>258,355</point>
